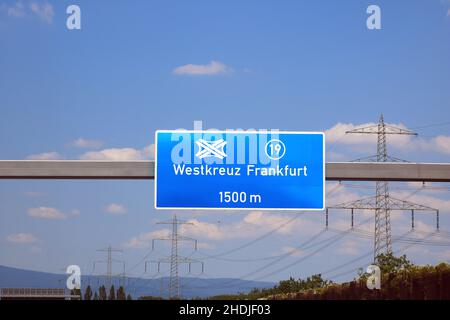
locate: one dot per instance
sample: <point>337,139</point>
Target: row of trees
<point>400,279</point>
<point>103,294</point>
<point>285,286</point>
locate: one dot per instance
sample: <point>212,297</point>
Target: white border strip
<point>240,132</point>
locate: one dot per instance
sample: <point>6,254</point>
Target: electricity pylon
<point>175,259</point>
<point>109,262</point>
<point>382,203</point>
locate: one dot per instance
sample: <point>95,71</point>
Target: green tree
<point>149,298</point>
<point>293,285</point>
<point>129,297</point>
<point>389,263</point>
<point>121,293</point>
<point>95,295</point>
<point>88,293</point>
<point>102,293</point>
<point>112,293</point>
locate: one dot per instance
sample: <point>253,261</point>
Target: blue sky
<point>102,91</point>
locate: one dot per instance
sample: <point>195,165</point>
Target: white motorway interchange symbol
<point>210,149</point>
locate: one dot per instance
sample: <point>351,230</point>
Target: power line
<point>383,203</point>
<point>109,263</point>
<point>441,124</point>
<point>328,242</point>
<point>396,252</point>
<point>283,256</point>
<point>175,259</point>
<point>263,236</point>
<point>356,259</point>
<point>140,261</point>
<point>267,234</point>
<point>334,240</point>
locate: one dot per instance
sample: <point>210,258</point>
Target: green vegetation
<point>283,287</point>
<point>112,293</point>
<point>88,293</point>
<point>400,279</point>
<point>389,264</point>
<point>150,298</point>
<point>120,294</point>
<point>102,293</point>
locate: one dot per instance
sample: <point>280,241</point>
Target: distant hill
<point>191,287</point>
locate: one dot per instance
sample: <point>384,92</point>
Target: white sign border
<point>240,132</point>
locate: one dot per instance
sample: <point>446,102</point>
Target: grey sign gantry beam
<point>388,171</point>
<point>77,169</point>
<point>144,170</point>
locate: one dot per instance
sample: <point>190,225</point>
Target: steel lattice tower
<point>109,263</point>
<point>383,241</point>
<point>174,281</point>
<point>175,259</point>
<point>382,203</point>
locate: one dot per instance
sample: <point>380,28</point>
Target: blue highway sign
<point>239,170</point>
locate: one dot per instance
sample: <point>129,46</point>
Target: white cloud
<point>424,199</point>
<point>252,225</point>
<point>212,68</point>
<point>115,209</point>
<point>46,213</point>
<point>256,223</point>
<point>426,252</point>
<point>148,152</point>
<point>86,143</point>
<point>121,154</point>
<point>441,144</point>
<point>112,154</point>
<point>267,221</point>
<point>424,228</point>
<point>341,195</point>
<point>16,10</point>
<point>208,230</point>
<point>144,240</point>
<point>350,248</point>
<point>46,156</point>
<point>21,238</point>
<point>291,251</point>
<point>367,142</point>
<point>337,134</point>
<point>41,9</point>
<point>335,156</point>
